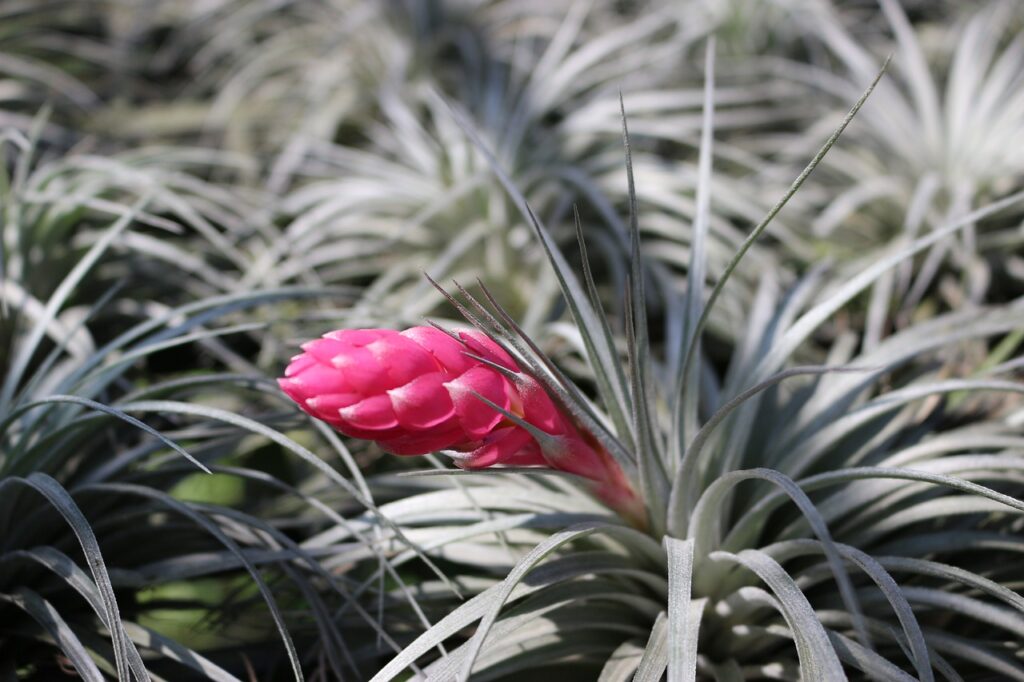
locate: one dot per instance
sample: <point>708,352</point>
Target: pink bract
<point>423,390</point>
<point>413,392</point>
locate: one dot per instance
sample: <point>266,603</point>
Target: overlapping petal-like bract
<point>423,390</point>
<point>413,392</point>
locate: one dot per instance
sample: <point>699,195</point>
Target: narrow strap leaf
<point>655,657</point>
<point>49,618</point>
<point>760,228</point>
<point>686,403</point>
<point>818,659</point>
<point>684,614</point>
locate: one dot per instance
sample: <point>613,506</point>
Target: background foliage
<point>821,404</point>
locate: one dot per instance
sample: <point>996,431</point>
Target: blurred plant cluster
<point>768,255</point>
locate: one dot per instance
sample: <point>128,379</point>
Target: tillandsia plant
<point>772,477</point>
<point>843,529</point>
<point>932,146</point>
<point>45,58</point>
<point>411,194</point>
<point>130,551</point>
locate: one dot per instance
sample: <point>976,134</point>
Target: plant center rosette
<point>423,390</point>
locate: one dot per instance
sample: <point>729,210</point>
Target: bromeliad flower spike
<point>422,390</point>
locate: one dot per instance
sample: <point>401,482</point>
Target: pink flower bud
<point>413,392</point>
<point>422,390</point>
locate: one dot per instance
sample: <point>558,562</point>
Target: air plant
<point>937,142</point>
<point>839,524</point>
<point>44,60</point>
<point>411,193</point>
<point>713,456</point>
<point>131,550</point>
